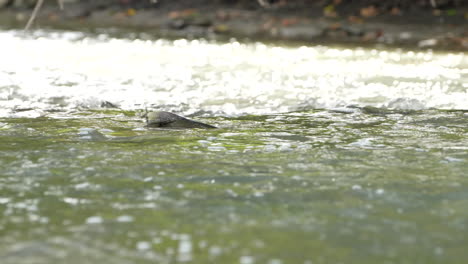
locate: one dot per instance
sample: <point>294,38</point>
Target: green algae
<point>314,186</point>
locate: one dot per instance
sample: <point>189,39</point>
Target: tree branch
<point>34,14</point>
<point>37,7</point>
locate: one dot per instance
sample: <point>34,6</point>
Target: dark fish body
<point>170,120</point>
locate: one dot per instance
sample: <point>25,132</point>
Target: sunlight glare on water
<point>51,70</point>
<point>376,175</point>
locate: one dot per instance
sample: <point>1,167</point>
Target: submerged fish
<point>170,120</point>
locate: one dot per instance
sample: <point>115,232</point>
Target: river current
<point>322,154</point>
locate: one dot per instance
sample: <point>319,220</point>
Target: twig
<point>37,7</point>
<point>60,3</point>
<point>34,14</point>
<point>264,3</point>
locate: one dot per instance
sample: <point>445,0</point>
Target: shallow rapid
<point>51,71</point>
<point>320,155</point>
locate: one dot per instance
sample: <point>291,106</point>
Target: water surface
<point>323,155</point>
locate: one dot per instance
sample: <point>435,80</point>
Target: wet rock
<point>107,104</point>
<point>427,43</point>
<point>354,31</point>
<point>21,3</point>
<point>170,120</point>
<point>91,134</point>
<point>181,18</point>
<point>220,29</point>
<point>76,11</point>
<point>406,104</point>
<point>301,32</point>
<point>201,22</point>
<point>178,24</point>
<point>4,3</point>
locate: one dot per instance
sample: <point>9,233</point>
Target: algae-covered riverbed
<point>315,160</point>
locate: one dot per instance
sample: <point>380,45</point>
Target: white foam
<point>67,70</point>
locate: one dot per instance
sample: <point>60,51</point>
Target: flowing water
<point>322,154</point>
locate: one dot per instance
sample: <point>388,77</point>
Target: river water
<point>322,154</point>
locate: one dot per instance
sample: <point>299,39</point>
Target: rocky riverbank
<point>315,22</point>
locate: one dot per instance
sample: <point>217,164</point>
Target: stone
<point>3,3</point>
<point>170,120</point>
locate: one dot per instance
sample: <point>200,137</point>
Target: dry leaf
<point>183,13</point>
<point>335,26</point>
<point>131,12</point>
<point>289,21</point>
<point>369,11</point>
<point>329,11</point>
<point>436,12</point>
<point>395,11</point>
<point>268,24</point>
<point>221,28</point>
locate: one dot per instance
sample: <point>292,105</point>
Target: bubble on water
<point>70,200</point>
<point>258,194</point>
<point>4,200</point>
<point>451,159</point>
<point>303,146</point>
<point>89,169</point>
<point>285,147</point>
<point>204,143</point>
<point>356,187</point>
<point>407,239</point>
<point>379,191</point>
<point>4,125</point>
<point>202,244</point>
<point>185,248</point>
<point>438,251</point>
<point>231,193</point>
<point>215,251</point>
<point>216,148</point>
<point>85,130</point>
<point>90,134</point>
<point>143,245</point>
<point>363,142</point>
<point>157,240</point>
<point>275,261</point>
<point>246,260</point>
<point>125,218</point>
<point>269,148</point>
<point>82,185</point>
<point>28,205</point>
<point>106,130</point>
<point>94,220</point>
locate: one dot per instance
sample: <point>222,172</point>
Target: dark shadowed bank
<point>434,24</point>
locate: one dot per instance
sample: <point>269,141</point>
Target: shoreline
<point>418,30</point>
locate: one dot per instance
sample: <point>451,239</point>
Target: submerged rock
<point>170,120</point>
